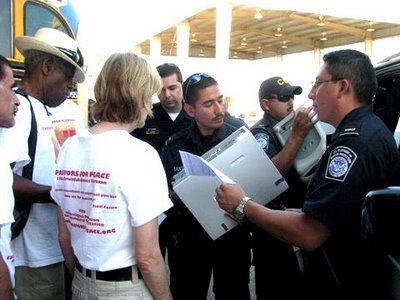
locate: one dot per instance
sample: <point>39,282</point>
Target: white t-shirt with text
<point>38,245</point>
<point>106,184</point>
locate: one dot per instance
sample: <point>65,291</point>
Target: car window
<point>37,16</point>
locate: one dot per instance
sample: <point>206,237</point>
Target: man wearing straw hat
<point>51,69</point>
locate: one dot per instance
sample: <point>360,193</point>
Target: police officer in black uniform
<point>362,156</point>
<point>192,255</point>
<point>278,273</point>
<point>168,115</point>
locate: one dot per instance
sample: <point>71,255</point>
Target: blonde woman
<point>104,186</point>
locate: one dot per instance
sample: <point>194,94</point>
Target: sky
<point>117,25</point>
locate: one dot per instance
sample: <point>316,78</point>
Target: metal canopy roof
<point>259,38</point>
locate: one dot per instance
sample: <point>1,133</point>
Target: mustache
<point>219,116</point>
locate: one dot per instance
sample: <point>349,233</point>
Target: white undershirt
<point>173,116</point>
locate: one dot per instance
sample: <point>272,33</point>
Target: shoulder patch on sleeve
<point>262,140</point>
<point>340,162</point>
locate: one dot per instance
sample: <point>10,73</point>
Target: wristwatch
<point>238,213</point>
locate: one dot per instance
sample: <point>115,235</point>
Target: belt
<point>123,274</point>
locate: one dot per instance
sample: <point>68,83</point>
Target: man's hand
<point>303,121</point>
<point>228,196</point>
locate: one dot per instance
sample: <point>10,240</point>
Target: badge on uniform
<point>341,160</point>
<point>262,140</point>
<point>152,131</point>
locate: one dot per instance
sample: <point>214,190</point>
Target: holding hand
<point>303,121</point>
<point>228,196</point>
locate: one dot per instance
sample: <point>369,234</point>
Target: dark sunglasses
<point>196,78</point>
<point>284,98</point>
<point>71,54</point>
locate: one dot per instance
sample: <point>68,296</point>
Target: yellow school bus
<point>25,17</point>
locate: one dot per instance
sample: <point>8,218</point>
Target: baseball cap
<point>277,86</point>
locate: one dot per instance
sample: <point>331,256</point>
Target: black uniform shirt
<point>235,122</point>
<point>191,141</point>
<point>160,127</point>
<point>266,138</point>
<point>361,157</point>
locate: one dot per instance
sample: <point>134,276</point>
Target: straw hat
<point>54,42</point>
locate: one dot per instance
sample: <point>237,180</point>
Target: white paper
<point>195,165</point>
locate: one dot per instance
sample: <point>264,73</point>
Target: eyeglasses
<point>194,79</point>
<point>285,98</point>
<point>317,83</point>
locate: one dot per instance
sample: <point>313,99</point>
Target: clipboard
<point>241,159</point>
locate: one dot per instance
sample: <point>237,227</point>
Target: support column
<point>182,40</point>
<point>317,55</point>
<point>155,46</point>
<point>222,45</point>
<point>223,30</point>
<point>368,44</point>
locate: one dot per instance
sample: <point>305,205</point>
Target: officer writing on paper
<point>362,156</point>
<point>277,270</point>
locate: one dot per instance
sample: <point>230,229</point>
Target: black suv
<point>387,99</point>
<point>381,213</point>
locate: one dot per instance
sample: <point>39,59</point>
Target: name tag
<point>152,131</point>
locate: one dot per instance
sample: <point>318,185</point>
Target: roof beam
<point>340,27</point>
<point>287,37</point>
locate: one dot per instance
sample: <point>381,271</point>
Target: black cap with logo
<point>277,86</point>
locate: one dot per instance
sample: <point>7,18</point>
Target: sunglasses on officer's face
<point>284,98</point>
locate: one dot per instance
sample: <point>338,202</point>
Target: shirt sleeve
<point>150,193</point>
<point>14,140</point>
<point>337,191</point>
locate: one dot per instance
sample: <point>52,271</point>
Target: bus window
<point>5,28</point>
<point>37,16</point>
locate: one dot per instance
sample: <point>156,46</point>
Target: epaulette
<point>349,132</point>
<point>262,125</point>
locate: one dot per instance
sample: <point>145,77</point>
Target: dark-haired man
<point>362,156</point>
<point>192,255</point>
<point>277,268</point>
<point>168,115</point>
